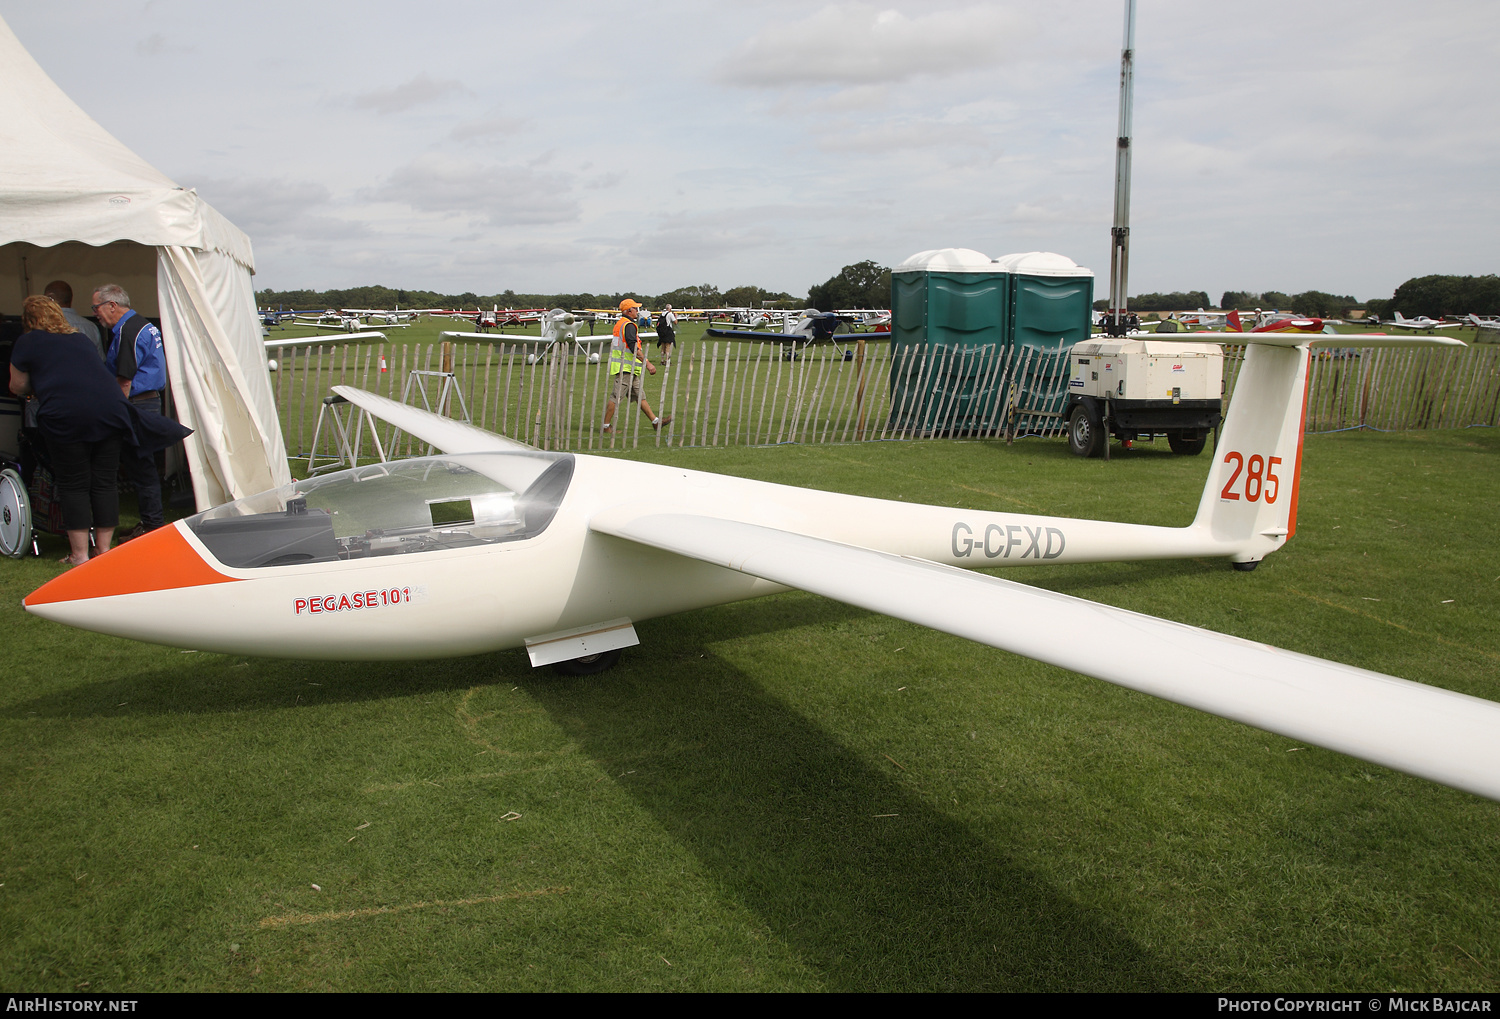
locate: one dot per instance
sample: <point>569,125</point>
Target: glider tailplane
<point>1250,500</point>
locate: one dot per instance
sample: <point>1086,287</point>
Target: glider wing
<point>446,434</point>
<point>1437,734</point>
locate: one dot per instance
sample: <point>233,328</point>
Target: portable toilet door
<point>949,315</point>
<point>1051,308</point>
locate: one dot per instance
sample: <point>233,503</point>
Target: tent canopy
<point>76,204</point>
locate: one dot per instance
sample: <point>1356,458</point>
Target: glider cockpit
<point>385,509</point>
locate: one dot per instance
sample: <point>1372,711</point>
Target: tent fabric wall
<point>205,295</point>
<point>76,204</point>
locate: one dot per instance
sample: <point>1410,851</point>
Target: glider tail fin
<point>1232,322</point>
<point>1250,501</point>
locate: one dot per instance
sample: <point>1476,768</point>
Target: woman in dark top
<point>82,415</point>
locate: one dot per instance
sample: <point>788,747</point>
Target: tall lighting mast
<point>1119,250</point>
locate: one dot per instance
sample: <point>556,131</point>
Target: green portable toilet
<point>955,314</point>
<point>1051,308</point>
<point>950,317</point>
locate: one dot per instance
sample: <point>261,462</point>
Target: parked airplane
<point>810,326</point>
<point>273,319</point>
<point>495,545</point>
<point>866,317</point>
<point>1203,319</point>
<point>1275,322</point>
<point>496,317</point>
<point>342,322</point>
<point>1483,321</point>
<point>380,316</point>
<point>1423,322</point>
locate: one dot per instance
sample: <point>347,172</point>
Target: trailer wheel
<point>589,665</point>
<point>1185,446</point>
<point>1085,435</point>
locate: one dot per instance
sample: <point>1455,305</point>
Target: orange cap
<point>627,304</point>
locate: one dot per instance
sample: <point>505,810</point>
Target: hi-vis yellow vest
<point>620,355</point>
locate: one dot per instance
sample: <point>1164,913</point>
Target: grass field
<point>786,794</point>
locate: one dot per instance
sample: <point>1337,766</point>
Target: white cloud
<point>419,90</point>
<point>856,44</point>
<point>156,44</point>
<point>501,195</point>
<point>890,136</point>
<point>709,236</point>
<point>488,128</point>
<point>278,208</point>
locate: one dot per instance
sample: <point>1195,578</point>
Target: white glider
<point>494,545</point>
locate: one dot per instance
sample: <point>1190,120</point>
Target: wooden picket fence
<point>721,393</point>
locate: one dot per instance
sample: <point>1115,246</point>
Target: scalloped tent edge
<point>76,204</point>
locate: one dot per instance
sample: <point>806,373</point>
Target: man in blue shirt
<point>138,360</point>
<point>62,292</point>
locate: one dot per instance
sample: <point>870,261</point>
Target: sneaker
<point>135,532</point>
<point>666,419</point>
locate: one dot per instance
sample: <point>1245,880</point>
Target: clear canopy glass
<point>397,508</point>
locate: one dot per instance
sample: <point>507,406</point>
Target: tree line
<point>867,284</point>
<point>704,296</point>
<point>1433,296</point>
<point>1448,295</point>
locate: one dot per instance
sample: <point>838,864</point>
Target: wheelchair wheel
<point>15,515</point>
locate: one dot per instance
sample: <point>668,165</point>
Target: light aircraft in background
<point>1423,322</point>
<point>274,319</point>
<point>495,545</point>
<point>380,316</point>
<point>342,322</point>
<point>877,319</point>
<point>810,326</point>
<point>1275,322</point>
<point>1483,321</point>
<point>496,317</point>
<point>1203,319</point>
<point>745,318</point>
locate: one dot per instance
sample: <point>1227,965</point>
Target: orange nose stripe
<point>158,561</point>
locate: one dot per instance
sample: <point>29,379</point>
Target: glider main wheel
<point>1185,446</point>
<point>589,665</point>
<point>1085,435</point>
<point>15,515</point>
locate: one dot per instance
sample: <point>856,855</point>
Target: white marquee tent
<point>77,205</point>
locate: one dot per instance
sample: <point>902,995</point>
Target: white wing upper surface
<point>1437,734</point>
<point>447,435</point>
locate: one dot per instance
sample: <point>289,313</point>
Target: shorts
<point>665,337</point>
<point>627,387</point>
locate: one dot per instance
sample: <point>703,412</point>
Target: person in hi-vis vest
<point>626,356</point>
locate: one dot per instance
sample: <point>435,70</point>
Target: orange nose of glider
<point>158,561</point>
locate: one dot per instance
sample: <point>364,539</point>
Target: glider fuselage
<point>442,601</point>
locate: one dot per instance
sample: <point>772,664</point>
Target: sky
<point>599,147</point>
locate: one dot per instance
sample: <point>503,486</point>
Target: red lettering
<point>344,603</point>
<point>330,603</point>
<point>370,599</point>
<point>1239,462</point>
<point>1272,480</point>
<point>1257,465</point>
<point>314,605</point>
<point>301,605</point>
